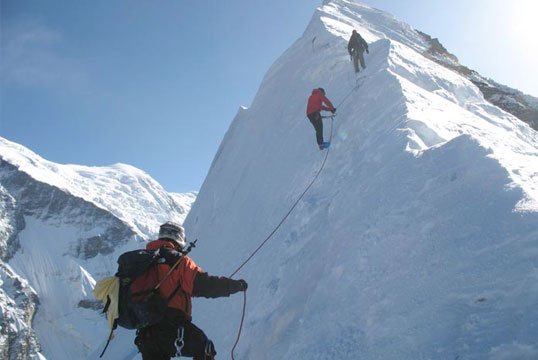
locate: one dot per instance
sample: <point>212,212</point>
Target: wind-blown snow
<point>418,240</point>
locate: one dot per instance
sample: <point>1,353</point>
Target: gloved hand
<point>367,51</point>
<point>334,111</point>
<point>242,284</point>
<point>236,285</point>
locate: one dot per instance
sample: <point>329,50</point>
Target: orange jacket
<point>183,275</point>
<point>315,102</point>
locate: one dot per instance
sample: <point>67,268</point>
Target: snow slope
<point>418,240</point>
<point>63,227</point>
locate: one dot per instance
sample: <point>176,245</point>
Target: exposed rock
<point>90,304</point>
<point>11,222</point>
<point>522,106</point>
<point>18,303</point>
<point>55,206</point>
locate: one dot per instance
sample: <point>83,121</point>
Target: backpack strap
<point>168,274</point>
<point>148,292</point>
<point>173,293</point>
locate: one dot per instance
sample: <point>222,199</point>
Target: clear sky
<point>155,84</point>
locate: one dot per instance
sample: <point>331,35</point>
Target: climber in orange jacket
<point>176,335</point>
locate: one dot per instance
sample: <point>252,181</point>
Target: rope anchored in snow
<point>272,233</point>
<point>291,209</point>
<point>358,85</point>
<point>285,217</point>
<point>307,188</point>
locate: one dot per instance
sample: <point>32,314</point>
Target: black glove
<point>242,285</point>
<point>334,111</point>
<point>367,51</point>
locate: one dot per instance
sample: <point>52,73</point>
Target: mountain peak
<point>426,183</point>
<point>410,235</point>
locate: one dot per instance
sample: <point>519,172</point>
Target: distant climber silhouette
<point>356,48</point>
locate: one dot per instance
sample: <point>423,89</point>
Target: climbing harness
<point>180,340</point>
<point>209,349</point>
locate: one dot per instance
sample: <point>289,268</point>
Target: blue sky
<point>155,84</point>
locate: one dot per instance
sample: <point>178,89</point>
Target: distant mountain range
<point>61,226</point>
<point>416,240</point>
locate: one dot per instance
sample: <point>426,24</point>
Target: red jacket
<point>315,102</point>
<point>184,275</point>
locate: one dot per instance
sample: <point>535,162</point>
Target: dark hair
<point>322,90</point>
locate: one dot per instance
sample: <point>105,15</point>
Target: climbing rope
<point>291,209</point>
<point>271,234</point>
<point>241,324</point>
<point>358,85</point>
<point>305,191</point>
<point>284,219</point>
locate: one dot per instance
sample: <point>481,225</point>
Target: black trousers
<point>172,337</point>
<point>358,56</point>
<point>315,119</point>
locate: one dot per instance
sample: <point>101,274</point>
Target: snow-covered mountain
<point>417,240</point>
<point>523,106</point>
<point>62,228</point>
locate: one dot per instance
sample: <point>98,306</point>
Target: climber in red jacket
<point>317,102</point>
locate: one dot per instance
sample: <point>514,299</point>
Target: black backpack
<point>142,307</point>
<point>138,309</point>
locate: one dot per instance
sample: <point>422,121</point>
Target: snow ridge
<point>418,239</point>
<point>415,241</point>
